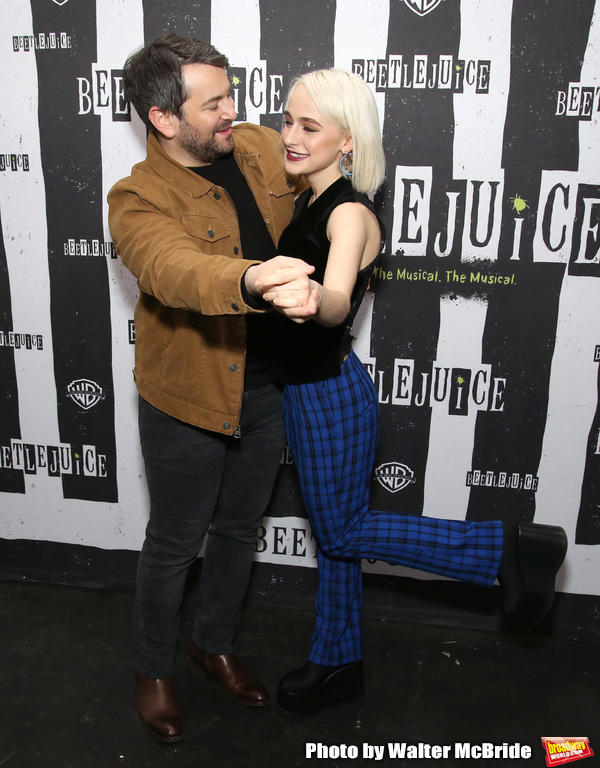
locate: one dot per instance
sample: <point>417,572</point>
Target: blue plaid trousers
<point>332,428</point>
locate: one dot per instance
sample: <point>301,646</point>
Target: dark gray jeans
<point>198,479</point>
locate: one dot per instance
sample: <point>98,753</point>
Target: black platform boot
<point>311,689</point>
<point>531,558</point>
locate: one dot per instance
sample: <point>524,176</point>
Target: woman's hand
<point>294,295</point>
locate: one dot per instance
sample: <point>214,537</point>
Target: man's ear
<point>162,121</point>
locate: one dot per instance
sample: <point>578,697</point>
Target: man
<point>193,222</point>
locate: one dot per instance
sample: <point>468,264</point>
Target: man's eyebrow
<point>214,99</point>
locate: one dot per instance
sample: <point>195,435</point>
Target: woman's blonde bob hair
<point>345,100</point>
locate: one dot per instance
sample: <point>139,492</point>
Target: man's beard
<point>204,150</point>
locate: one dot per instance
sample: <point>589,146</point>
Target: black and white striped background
<point>481,332</point>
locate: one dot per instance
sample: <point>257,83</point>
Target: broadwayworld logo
<point>565,749</point>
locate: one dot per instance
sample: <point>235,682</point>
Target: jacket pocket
<point>212,231</point>
<point>280,185</point>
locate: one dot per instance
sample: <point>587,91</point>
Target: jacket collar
<point>188,181</point>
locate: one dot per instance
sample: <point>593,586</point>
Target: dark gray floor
<point>67,697</point>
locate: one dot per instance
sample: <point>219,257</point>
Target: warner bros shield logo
<point>85,393</point>
<point>394,476</point>
<point>423,7</point>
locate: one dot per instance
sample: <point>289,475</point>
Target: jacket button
<point>235,307</point>
<point>227,425</point>
<point>210,233</point>
<point>236,250</point>
<point>217,196</point>
<point>233,367</point>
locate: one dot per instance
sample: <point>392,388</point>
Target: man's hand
<point>291,269</point>
<point>284,282</point>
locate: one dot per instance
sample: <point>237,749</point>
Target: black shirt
<point>257,245</point>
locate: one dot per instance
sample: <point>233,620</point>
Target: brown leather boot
<point>227,670</point>
<point>157,707</point>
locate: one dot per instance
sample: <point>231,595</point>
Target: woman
<point>331,136</point>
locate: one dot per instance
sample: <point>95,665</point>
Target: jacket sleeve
<point>167,261</point>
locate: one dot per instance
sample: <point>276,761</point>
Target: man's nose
<point>230,112</point>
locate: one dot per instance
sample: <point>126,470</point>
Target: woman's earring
<point>346,164</point>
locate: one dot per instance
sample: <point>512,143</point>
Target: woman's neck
<point>322,180</point>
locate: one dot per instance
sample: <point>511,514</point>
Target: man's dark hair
<point>152,75</point>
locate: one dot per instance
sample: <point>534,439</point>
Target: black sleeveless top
<point>310,352</point>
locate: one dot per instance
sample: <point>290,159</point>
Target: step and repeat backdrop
<point>482,330</point>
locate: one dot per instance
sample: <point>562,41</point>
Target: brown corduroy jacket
<point>178,234</point>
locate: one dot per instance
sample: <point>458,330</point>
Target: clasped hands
<point>285,283</point>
